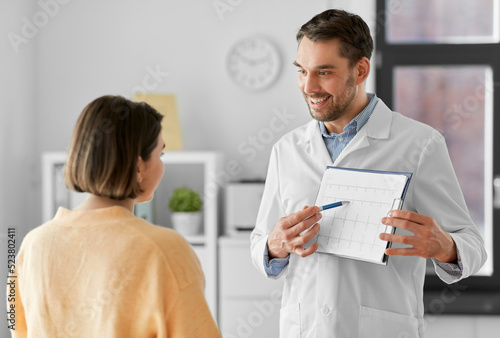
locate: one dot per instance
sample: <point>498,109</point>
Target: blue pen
<point>326,207</point>
<point>333,205</point>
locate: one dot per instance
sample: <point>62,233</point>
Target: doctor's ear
<point>362,69</point>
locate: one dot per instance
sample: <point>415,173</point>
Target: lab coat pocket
<point>290,321</point>
<point>374,323</point>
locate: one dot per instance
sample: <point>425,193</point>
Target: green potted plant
<point>186,205</point>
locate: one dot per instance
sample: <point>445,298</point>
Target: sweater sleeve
<point>182,286</point>
<point>190,316</point>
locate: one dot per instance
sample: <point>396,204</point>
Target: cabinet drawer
<point>239,277</point>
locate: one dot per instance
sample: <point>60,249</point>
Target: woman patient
<point>98,270</point>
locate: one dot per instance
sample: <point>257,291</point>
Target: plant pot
<point>187,223</point>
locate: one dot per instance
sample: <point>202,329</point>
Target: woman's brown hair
<point>110,135</point>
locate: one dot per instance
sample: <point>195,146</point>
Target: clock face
<point>253,63</point>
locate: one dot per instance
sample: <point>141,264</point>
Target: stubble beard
<point>338,107</point>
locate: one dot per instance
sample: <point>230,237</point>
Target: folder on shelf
<point>165,104</point>
<point>352,231</point>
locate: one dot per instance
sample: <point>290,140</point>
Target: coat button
<point>325,310</point>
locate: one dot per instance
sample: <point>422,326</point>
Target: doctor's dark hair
<point>110,135</point>
<point>354,34</point>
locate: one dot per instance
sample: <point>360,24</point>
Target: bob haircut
<point>110,135</point>
<point>354,34</point>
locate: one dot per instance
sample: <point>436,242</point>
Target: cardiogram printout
<point>352,230</point>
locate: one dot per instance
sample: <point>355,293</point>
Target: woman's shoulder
<point>160,234</point>
<point>173,248</point>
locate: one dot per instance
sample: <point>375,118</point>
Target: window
<point>438,61</point>
<point>442,21</point>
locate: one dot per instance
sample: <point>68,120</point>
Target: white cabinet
<point>54,192</point>
<point>198,170</point>
<point>249,303</point>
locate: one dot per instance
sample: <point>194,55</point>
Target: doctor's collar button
<point>325,310</point>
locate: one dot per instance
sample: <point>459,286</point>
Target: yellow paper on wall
<point>165,104</point>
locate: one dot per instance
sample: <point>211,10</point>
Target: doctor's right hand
<point>286,236</point>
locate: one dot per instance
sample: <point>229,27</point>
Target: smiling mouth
<point>319,100</point>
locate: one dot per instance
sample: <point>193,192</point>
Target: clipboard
<point>352,231</point>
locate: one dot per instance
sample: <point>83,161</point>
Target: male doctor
<point>325,295</point>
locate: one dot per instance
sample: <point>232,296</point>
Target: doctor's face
<point>325,79</point>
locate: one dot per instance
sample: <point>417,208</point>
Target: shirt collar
<point>359,121</point>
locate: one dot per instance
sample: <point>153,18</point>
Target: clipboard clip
<point>397,204</point>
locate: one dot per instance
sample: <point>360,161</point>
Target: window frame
<point>476,294</point>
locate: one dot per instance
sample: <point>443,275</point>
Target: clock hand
<point>262,60</point>
<point>246,60</point>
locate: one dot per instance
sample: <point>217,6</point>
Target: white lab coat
<point>327,296</point>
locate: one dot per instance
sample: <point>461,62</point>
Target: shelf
<point>196,240</point>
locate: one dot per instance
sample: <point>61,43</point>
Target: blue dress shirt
<point>335,143</point>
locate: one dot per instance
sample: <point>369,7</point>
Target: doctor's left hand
<point>429,240</point>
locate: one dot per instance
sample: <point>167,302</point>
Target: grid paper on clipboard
<point>353,230</point>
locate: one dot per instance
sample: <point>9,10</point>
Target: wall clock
<point>253,63</point>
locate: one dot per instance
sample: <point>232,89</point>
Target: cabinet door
<point>256,318</point>
<point>249,303</point>
<point>201,252</point>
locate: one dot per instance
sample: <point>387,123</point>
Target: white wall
<point>90,48</point>
<point>18,136</point>
<point>93,48</point>
<point>18,141</point>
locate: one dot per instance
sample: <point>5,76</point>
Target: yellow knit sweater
<point>107,273</point>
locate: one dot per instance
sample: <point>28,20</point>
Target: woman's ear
<point>140,169</point>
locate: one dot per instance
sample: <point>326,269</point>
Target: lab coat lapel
<point>378,126</point>
<point>314,145</point>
